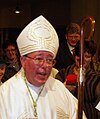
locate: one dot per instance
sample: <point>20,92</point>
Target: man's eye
<point>39,59</point>
<point>75,36</point>
<point>49,60</point>
<point>2,68</point>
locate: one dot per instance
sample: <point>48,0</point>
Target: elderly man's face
<point>37,66</point>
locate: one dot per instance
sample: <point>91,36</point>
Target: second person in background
<point>66,49</point>
<point>11,58</point>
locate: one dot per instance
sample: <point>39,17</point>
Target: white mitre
<point>38,35</point>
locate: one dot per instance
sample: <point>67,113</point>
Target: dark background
<point>59,12</point>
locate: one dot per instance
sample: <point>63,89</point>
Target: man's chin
<point>73,45</point>
<point>40,83</point>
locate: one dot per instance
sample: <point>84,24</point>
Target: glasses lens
<point>40,60</point>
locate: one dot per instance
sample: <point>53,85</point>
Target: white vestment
<point>55,101</point>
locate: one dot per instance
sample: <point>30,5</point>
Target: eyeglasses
<point>40,60</point>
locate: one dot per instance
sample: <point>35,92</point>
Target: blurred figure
<point>65,55</point>
<point>95,64</point>
<point>2,70</point>
<point>11,58</point>
<point>92,79</point>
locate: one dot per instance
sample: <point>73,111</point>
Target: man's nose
<point>44,63</point>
